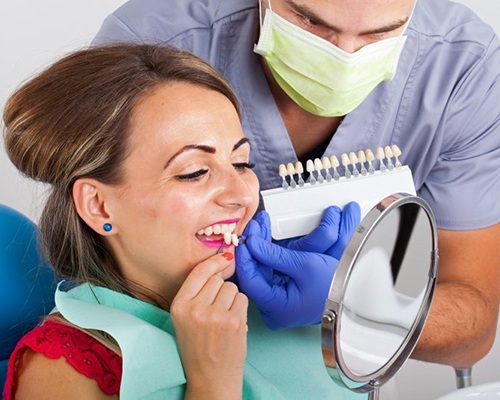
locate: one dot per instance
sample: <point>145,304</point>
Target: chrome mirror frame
<point>331,321</point>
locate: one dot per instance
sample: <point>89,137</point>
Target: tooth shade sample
<point>361,156</point>
<point>334,161</point>
<point>353,158</point>
<point>318,164</point>
<point>345,160</point>
<point>309,166</point>
<point>299,168</point>
<point>380,153</point>
<point>290,169</point>
<point>282,170</point>
<point>326,163</point>
<point>388,152</point>
<point>227,238</point>
<point>369,155</point>
<point>395,150</point>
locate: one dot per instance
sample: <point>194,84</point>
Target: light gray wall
<point>34,33</point>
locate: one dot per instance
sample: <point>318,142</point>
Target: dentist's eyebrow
<point>308,13</point>
<point>191,147</point>
<point>240,143</point>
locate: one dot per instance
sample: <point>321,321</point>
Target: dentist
<point>322,77</point>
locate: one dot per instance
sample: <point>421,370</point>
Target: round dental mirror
<point>381,294</point>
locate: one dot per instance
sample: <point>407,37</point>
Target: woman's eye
<point>241,167</point>
<point>193,176</point>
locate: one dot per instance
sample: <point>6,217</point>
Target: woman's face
<point>186,174</point>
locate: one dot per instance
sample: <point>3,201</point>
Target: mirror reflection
<point>381,294</point>
<point>385,289</point>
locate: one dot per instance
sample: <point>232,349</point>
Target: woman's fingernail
<point>228,256</point>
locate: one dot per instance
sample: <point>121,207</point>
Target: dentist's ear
<point>89,199</point>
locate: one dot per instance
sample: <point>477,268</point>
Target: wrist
<point>231,390</point>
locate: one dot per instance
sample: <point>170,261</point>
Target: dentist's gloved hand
<point>289,287</point>
<point>331,235</point>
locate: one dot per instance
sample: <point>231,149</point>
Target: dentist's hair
<point>73,121</point>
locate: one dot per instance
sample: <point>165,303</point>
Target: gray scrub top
<point>442,108</point>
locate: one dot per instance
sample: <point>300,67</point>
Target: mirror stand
<point>374,394</point>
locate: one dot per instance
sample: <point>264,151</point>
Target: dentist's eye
<point>240,167</point>
<point>308,21</point>
<point>192,176</point>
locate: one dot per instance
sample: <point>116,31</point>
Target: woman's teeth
<point>231,238</point>
<point>217,229</point>
<point>224,229</point>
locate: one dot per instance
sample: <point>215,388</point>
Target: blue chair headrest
<point>27,282</point>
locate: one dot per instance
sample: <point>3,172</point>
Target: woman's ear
<point>90,202</point>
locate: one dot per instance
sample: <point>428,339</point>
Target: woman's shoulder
<point>43,349</point>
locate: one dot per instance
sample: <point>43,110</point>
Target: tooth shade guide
<point>349,161</point>
<point>297,212</point>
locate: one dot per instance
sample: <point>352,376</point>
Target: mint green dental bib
<point>283,364</point>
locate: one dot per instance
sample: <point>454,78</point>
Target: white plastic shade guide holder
<point>296,212</point>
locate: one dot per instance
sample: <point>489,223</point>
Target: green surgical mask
<point>320,77</point>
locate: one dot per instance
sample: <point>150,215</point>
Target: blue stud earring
<point>107,227</point>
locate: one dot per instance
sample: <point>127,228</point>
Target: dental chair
<point>27,283</point>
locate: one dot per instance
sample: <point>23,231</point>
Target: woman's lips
<point>212,242</point>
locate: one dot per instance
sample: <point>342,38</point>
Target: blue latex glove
<point>332,234</point>
<point>289,287</point>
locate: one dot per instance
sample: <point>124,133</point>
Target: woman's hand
<point>210,320</point>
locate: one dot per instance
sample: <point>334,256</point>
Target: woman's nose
<point>237,189</point>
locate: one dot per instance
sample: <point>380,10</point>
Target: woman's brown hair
<point>72,121</point>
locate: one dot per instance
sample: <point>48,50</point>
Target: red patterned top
<point>86,354</point>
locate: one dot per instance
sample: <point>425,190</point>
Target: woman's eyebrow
<point>203,148</point>
<point>190,147</point>
<point>240,143</point>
